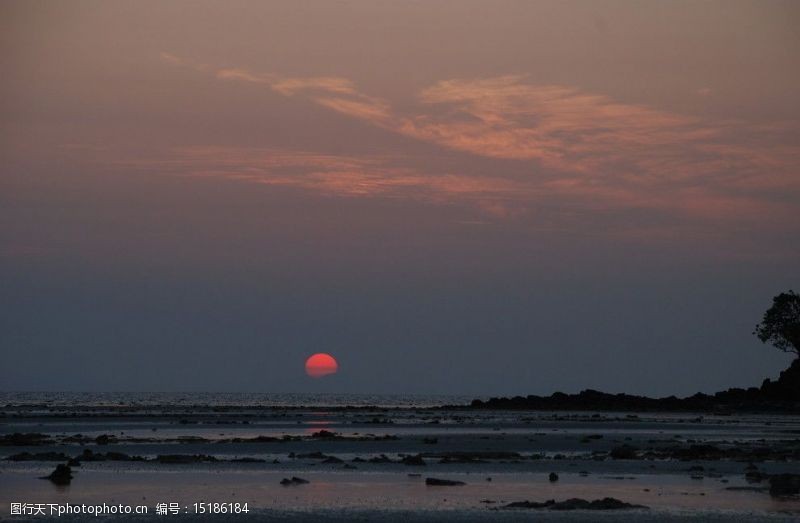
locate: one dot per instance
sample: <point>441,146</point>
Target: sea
<point>219,399</point>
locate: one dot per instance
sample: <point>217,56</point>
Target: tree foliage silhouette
<point>780,325</point>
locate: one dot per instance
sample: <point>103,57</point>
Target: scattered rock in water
<point>383,458</point>
<point>349,466</point>
<point>324,434</point>
<point>62,475</point>
<point>183,459</point>
<point>430,441</point>
<point>77,438</point>
<point>332,459</point>
<point>753,475</point>
<point>39,456</point>
<point>531,504</point>
<point>19,439</point>
<point>294,481</point>
<point>784,485</point>
<point>575,504</point>
<point>248,460</point>
<point>311,455</point>
<point>436,482</point>
<point>623,452</point>
<point>553,477</point>
<point>105,439</point>
<point>472,457</point>
<point>88,455</point>
<point>256,439</point>
<point>413,460</point>
<point>747,489</point>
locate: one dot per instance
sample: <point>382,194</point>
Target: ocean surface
<point>238,399</point>
<point>373,463</point>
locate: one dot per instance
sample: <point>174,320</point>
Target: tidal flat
<point>376,463</point>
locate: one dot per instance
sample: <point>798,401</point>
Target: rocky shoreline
<point>781,396</point>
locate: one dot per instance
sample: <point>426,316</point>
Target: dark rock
<point>62,475</point>
<point>332,459</point>
<point>184,459</point>
<point>19,439</point>
<point>436,482</point>
<point>413,460</point>
<point>294,481</point>
<point>383,458</point>
<point>597,504</point>
<point>39,456</point>
<point>787,387</point>
<point>77,438</point>
<point>105,439</point>
<point>784,485</point>
<point>531,504</point>
<point>782,395</point>
<point>257,439</point>
<point>553,477</point>
<point>755,476</point>
<point>311,455</point>
<point>324,434</point>
<point>472,457</point>
<point>623,452</point>
<point>700,452</point>
<point>576,504</point>
<point>121,456</point>
<point>88,455</point>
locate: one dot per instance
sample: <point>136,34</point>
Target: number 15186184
<point>221,508</point>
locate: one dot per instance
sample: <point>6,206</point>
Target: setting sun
<point>321,364</point>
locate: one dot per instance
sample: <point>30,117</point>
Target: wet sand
<point>372,463</point>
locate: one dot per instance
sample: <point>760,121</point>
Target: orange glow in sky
<point>321,364</point>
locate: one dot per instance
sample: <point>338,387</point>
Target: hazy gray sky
<point>469,197</point>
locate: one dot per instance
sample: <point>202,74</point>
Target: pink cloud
<point>585,149</point>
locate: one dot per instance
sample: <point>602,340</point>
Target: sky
<point>467,197</point>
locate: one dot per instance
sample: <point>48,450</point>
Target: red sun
<point>321,364</point>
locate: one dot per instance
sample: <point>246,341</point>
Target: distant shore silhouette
<point>782,395</point>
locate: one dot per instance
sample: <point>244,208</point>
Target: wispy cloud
<point>336,175</point>
<point>584,149</point>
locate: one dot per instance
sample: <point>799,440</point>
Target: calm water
<point>145,399</point>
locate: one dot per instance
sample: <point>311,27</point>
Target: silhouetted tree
<point>781,323</point>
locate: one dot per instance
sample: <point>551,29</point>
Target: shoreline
<point>379,461</point>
